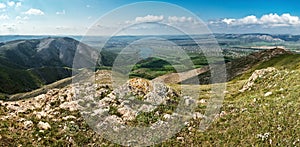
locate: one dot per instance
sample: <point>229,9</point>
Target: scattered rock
<point>167,116</point>
<point>43,125</point>
<point>72,106</point>
<point>202,101</point>
<point>40,115</point>
<point>27,124</point>
<point>180,138</point>
<point>268,94</point>
<point>198,115</point>
<point>69,117</point>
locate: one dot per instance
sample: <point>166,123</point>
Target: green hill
<point>260,108</point>
<point>26,65</point>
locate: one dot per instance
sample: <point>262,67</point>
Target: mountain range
<point>29,64</point>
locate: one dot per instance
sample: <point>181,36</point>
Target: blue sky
<point>75,17</point>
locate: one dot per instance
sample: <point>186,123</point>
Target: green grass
<point>251,119</point>
<point>287,61</point>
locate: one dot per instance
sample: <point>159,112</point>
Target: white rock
<point>41,114</point>
<point>43,125</point>
<point>69,117</point>
<point>189,102</point>
<point>27,124</point>
<point>21,119</point>
<point>202,101</point>
<point>72,106</point>
<point>197,115</point>
<point>268,94</point>
<point>180,138</point>
<point>167,116</point>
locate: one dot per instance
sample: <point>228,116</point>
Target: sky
<point>105,17</point>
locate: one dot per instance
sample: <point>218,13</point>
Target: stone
<point>27,124</point>
<point>255,75</point>
<point>43,125</point>
<point>268,94</point>
<point>72,106</point>
<point>69,117</point>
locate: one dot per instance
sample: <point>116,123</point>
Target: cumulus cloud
<point>149,18</point>
<point>63,12</point>
<point>22,18</point>
<point>32,11</point>
<point>226,20</point>
<point>271,19</point>
<point>171,20</point>
<point>18,4</point>
<point>180,19</point>
<point>2,6</point>
<point>4,17</point>
<point>10,3</point>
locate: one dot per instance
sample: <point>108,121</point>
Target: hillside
<point>28,64</point>
<point>239,66</point>
<point>259,108</point>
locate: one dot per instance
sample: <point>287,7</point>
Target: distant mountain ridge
<point>234,68</point>
<point>28,64</point>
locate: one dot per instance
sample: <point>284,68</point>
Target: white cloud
<point>180,19</point>
<point>88,6</point>
<point>2,6</point>
<point>32,11</point>
<point>25,18</point>
<point>249,20</point>
<point>149,18</point>
<point>284,19</point>
<point>22,18</point>
<point>227,20</point>
<point>266,20</point>
<point>63,12</point>
<point>10,3</point>
<point>18,4</point>
<point>170,20</point>
<point>4,17</point>
<point>18,17</point>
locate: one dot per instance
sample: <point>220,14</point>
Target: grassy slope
<point>250,117</point>
<point>22,80</point>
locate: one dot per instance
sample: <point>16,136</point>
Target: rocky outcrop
<point>124,103</point>
<point>256,75</point>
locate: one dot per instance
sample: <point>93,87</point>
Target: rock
<point>27,124</point>
<point>257,74</point>
<point>139,86</point>
<point>43,125</point>
<point>72,106</point>
<point>22,119</point>
<point>127,113</point>
<point>180,138</point>
<point>167,116</point>
<point>39,115</point>
<point>188,101</point>
<point>69,117</point>
<point>202,101</point>
<point>113,119</point>
<point>146,108</point>
<point>198,115</point>
<point>268,94</point>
